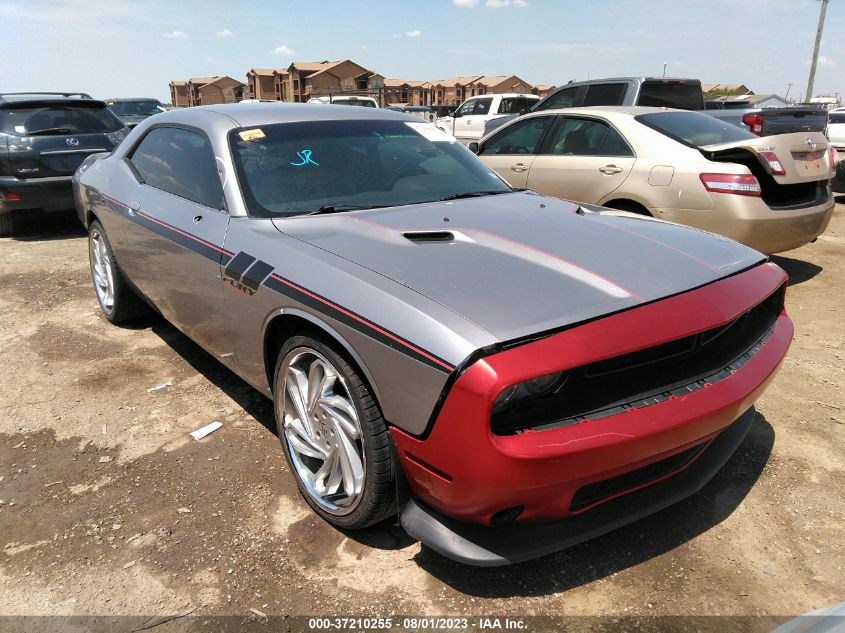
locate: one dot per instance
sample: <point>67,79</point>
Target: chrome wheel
<point>322,431</point>
<point>101,270</point>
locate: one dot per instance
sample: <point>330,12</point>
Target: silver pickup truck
<point>667,92</point>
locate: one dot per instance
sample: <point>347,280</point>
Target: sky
<point>132,48</point>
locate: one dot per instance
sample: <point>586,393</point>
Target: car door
<point>473,124</point>
<point>511,150</point>
<point>582,159</point>
<point>173,242</point>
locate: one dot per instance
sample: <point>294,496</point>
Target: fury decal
<point>245,273</point>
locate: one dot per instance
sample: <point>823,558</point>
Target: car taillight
<point>834,159</point>
<point>740,184</point>
<point>754,123</point>
<point>775,166</point>
<point>9,197</point>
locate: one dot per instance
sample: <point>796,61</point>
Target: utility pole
<point>788,88</point>
<point>816,51</point>
<point>664,68</point>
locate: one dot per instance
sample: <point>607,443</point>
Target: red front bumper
<point>464,471</point>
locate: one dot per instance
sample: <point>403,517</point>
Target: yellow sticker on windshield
<point>251,135</point>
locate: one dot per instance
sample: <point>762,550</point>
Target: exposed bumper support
<point>484,546</point>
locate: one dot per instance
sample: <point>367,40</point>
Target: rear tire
<point>7,223</point>
<point>117,300</point>
<point>336,442</point>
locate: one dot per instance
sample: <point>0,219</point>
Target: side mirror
<point>524,111</point>
<point>473,147</point>
<point>457,114</point>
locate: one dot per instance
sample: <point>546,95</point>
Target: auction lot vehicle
<point>469,120</point>
<point>348,100</point>
<point>43,139</point>
<point>134,110</point>
<point>661,92</point>
<point>682,94</point>
<point>769,193</point>
<point>771,121</point>
<point>836,134</point>
<point>482,361</point>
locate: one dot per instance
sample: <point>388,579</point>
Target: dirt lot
<point>108,507</point>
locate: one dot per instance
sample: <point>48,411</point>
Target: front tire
<point>117,300</point>
<point>333,436</point>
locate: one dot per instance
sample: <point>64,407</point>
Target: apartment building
<point>260,83</point>
<point>213,90</point>
<point>303,80</point>
<point>179,94</point>
<point>404,92</point>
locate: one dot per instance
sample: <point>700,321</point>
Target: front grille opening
<point>648,376</point>
<point>604,490</point>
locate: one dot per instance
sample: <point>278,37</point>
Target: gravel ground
<point>109,508</point>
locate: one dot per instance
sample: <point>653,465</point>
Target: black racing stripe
<point>356,322</point>
<point>238,265</point>
<point>256,274</point>
<point>172,234</point>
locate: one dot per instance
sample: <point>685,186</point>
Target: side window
<point>605,94</point>
<point>520,138</point>
<point>578,137</point>
<point>482,106</point>
<point>615,145</point>
<point>180,162</point>
<point>564,99</point>
<point>515,105</point>
<point>466,109</point>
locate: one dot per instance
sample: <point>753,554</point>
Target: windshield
<point>147,107</point>
<point>695,129</point>
<point>295,168</point>
<point>58,119</point>
<point>671,94</point>
<point>837,117</point>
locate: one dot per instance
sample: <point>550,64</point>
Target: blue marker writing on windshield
<point>305,158</point>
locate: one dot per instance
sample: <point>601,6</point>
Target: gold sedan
<point>771,193</point>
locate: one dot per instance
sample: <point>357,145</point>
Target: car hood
<point>518,264</point>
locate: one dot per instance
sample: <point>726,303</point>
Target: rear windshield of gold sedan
<point>296,168</point>
<point>694,128</point>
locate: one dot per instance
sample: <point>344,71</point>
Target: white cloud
<point>415,33</point>
<point>826,61</point>
<point>284,50</point>
<point>465,3</point>
<point>176,35</point>
<point>225,33</point>
<point>498,4</point>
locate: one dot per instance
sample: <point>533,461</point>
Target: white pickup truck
<point>467,123</point>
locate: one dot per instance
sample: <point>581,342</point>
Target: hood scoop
<point>422,237</point>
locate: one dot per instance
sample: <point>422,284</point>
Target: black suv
<point>44,137</point>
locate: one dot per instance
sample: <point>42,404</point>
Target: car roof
<point>124,99</point>
<point>609,111</point>
<point>249,114</point>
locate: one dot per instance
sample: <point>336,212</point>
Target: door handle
<point>518,167</point>
<point>197,219</point>
<point>133,208</point>
<point>610,169</point>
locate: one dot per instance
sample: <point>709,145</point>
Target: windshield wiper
<point>471,194</point>
<point>50,130</point>
<point>339,208</point>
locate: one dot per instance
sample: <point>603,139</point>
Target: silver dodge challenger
<point>508,373</point>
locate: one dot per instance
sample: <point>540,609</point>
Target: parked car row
<point>770,193</point>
